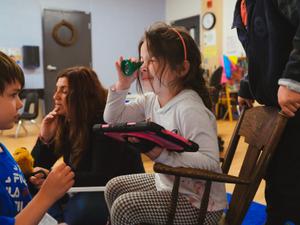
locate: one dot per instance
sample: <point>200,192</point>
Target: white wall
<point>21,25</point>
<point>180,9</point>
<point>117,25</point>
<point>231,43</point>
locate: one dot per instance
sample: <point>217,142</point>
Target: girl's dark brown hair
<point>10,72</point>
<point>85,104</point>
<point>165,44</point>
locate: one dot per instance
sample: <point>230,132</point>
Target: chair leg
<point>20,124</point>
<point>173,203</point>
<point>228,100</point>
<point>204,203</point>
<point>35,123</point>
<point>26,131</point>
<point>217,110</point>
<point>18,128</point>
<point>225,115</point>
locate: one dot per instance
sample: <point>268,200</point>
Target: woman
<point>67,131</point>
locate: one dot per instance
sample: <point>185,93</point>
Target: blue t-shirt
<point>14,193</point>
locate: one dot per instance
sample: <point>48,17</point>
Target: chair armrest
<point>198,174</point>
<point>86,189</point>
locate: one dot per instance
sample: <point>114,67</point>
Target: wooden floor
<point>225,129</point>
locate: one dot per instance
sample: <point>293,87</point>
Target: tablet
<point>149,133</point>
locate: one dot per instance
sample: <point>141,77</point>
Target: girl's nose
<point>144,67</point>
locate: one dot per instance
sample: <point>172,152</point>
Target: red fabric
<point>244,14</point>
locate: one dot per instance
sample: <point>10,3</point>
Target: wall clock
<point>208,20</point>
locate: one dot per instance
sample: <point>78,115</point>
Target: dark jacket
<point>272,44</point>
<point>104,159</point>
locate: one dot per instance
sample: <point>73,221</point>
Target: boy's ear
<point>184,68</point>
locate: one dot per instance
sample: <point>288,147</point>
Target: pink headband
<point>182,41</point>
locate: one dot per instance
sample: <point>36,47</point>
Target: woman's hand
<point>49,126</point>
<point>57,183</point>
<point>124,81</point>
<point>38,179</point>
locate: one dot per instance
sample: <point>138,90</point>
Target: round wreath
<point>60,41</point>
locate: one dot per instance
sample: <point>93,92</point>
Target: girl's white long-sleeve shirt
<point>186,115</point>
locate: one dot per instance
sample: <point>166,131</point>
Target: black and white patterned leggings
<point>133,199</point>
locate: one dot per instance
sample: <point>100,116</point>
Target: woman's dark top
<point>104,159</point>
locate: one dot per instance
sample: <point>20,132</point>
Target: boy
<point>16,206</point>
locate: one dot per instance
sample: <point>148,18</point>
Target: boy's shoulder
<point>3,148</point>
<point>5,155</point>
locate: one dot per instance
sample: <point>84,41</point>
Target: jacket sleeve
<point>291,10</point>
<point>44,154</point>
<point>245,91</point>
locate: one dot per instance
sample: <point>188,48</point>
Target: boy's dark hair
<point>10,72</point>
<point>165,44</point>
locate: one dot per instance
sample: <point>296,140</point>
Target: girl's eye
<point>152,60</point>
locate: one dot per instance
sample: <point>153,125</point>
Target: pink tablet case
<point>148,131</point>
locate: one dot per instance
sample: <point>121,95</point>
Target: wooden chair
<point>261,128</point>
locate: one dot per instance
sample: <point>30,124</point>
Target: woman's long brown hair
<point>85,103</point>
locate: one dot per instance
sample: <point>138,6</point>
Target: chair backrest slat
<point>257,125</point>
<point>248,166</point>
<point>232,145</point>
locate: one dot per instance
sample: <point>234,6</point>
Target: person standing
<point>270,34</point>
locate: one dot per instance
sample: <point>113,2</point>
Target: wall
<point>179,9</point>
<point>117,26</point>
<point>226,38</point>
<point>21,25</point>
<point>231,43</point>
<point>212,52</point>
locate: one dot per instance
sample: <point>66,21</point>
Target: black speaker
<point>31,57</point>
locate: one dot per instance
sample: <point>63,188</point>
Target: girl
<point>179,101</point>
<point>67,131</point>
